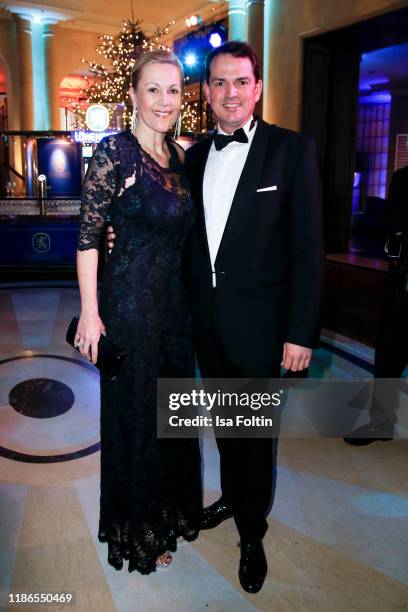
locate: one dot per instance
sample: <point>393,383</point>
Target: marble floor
<point>338,530</point>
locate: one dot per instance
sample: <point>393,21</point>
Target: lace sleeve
<point>98,189</point>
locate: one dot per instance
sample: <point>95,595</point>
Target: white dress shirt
<point>222,173</point>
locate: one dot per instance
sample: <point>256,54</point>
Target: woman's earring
<point>177,130</point>
<point>133,123</point>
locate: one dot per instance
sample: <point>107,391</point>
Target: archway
<point>74,102</point>
<point>72,98</point>
<point>4,158</point>
<point>3,98</point>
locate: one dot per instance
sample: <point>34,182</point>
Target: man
<point>253,269</point>
<point>254,273</point>
<point>391,348</point>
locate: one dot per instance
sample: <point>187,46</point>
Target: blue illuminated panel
<point>60,161</point>
<point>34,242</point>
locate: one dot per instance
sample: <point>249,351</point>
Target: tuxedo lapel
<point>197,189</point>
<point>246,188</point>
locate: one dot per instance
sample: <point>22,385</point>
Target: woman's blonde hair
<point>160,56</point>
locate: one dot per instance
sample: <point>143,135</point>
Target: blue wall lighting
<point>193,48</point>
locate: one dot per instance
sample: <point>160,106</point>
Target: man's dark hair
<point>235,48</point>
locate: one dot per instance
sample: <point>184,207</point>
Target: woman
<point>150,488</point>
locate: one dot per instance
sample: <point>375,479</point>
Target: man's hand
<point>295,358</point>
<point>110,237</point>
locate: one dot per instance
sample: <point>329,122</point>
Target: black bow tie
<point>222,140</point>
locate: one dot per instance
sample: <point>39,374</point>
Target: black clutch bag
<point>110,356</point>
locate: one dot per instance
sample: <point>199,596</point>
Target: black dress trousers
<point>248,465</point>
<point>391,350</point>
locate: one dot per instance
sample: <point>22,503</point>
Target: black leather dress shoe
<point>370,433</point>
<point>214,515</point>
<point>252,566</point>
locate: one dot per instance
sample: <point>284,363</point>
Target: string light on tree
<point>109,84</point>
<point>109,80</point>
<point>189,112</point>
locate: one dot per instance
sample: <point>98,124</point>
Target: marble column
<point>237,20</point>
<point>25,73</point>
<point>52,84</point>
<point>255,11</point>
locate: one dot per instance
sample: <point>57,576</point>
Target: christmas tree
<point>109,84</point>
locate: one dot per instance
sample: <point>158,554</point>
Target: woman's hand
<point>110,238</point>
<point>90,328</point>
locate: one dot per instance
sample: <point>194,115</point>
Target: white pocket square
<point>271,188</point>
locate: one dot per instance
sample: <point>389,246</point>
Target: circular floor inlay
<point>41,398</point>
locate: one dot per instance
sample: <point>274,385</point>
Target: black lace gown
<point>150,487</point>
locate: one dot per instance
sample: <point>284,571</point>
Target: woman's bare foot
<point>164,560</point>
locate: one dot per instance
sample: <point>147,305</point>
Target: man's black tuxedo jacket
<point>269,263</point>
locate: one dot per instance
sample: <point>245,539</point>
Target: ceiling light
<point>193,21</point>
